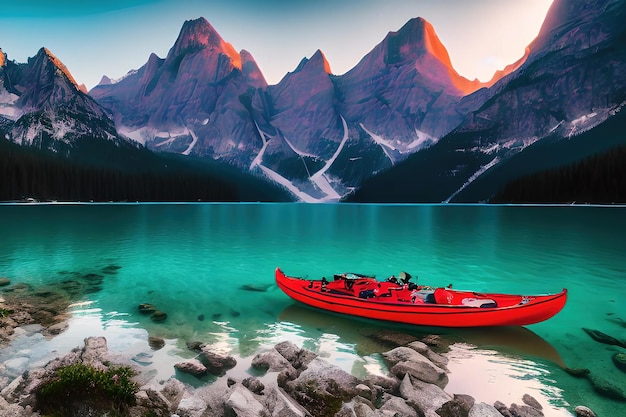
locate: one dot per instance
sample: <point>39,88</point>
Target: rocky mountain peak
<point>45,57</point>
<point>199,34</point>
<point>319,59</point>
<point>315,63</point>
<point>416,47</point>
<point>571,23</point>
<point>3,58</point>
<point>105,80</point>
<point>251,70</point>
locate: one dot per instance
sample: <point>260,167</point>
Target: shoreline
<point>48,314</point>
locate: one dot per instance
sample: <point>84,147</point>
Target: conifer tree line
<point>30,173</point>
<point>599,179</point>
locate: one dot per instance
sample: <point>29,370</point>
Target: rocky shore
<point>288,381</point>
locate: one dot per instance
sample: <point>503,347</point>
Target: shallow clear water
<point>193,260</point>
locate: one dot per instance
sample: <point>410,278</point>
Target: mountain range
<point>401,126</point>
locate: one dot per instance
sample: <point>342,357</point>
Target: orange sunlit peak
<point>434,45</point>
<point>61,66</point>
<point>326,63</point>
<point>2,59</point>
<point>232,53</point>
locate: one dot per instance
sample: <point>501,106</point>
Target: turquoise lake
<point>210,267</point>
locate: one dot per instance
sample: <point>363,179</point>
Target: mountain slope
<point>191,102</point>
<point>573,80</point>
<point>57,142</point>
<point>44,107</point>
<point>316,133</point>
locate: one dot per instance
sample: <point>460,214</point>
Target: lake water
<point>198,262</point>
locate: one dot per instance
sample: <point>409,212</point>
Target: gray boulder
<point>459,406</point>
<point>483,410</point>
<point>409,361</point>
<point>216,363</point>
<point>531,401</point>
<point>242,403</point>
<point>271,361</point>
<point>254,385</point>
<point>278,402</point>
<point>150,402</point>
<point>421,347</point>
<point>173,390</point>
<point>396,406</point>
<point>421,395</point>
<point>358,407</point>
<point>191,406</point>
<point>298,358</point>
<point>502,409</point>
<point>192,367</point>
<point>95,351</point>
<point>321,388</point>
<point>524,411</point>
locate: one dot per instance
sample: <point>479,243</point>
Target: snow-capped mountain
<point>402,113</point>
<point>573,80</point>
<point>191,102</point>
<point>42,105</point>
<point>317,133</point>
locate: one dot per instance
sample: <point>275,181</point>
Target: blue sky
<point>95,38</point>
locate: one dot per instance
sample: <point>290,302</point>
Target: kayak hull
<point>505,310</point>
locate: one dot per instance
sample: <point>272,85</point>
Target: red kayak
<point>402,301</point>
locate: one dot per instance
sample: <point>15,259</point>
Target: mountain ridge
<point>323,135</point>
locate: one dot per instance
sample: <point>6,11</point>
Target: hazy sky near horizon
<point>112,37</point>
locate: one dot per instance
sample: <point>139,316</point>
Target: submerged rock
<point>619,359</point>
<point>156,342</point>
<point>607,388</point>
<point>598,336</point>
<point>111,269</point>
<point>147,308</point>
<point>4,281</point>
<point>158,316</point>
<point>531,401</point>
<point>582,411</point>
<point>255,288</point>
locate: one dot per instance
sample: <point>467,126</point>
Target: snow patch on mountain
<point>476,174</point>
<point>279,179</point>
<point>590,120</point>
<point>423,140</point>
<point>34,130</point>
<point>7,105</point>
<point>320,178</point>
<point>123,77</point>
<point>147,134</point>
<point>259,158</point>
<point>514,144</point>
<point>194,138</point>
<point>297,151</point>
<point>61,127</point>
<point>384,144</point>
